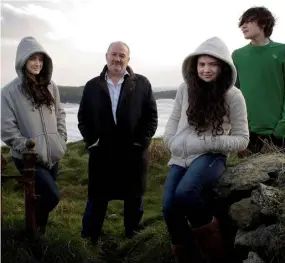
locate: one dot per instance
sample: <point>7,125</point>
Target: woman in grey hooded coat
<point>30,108</point>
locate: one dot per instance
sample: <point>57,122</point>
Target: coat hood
<point>214,47</point>
<point>27,47</point>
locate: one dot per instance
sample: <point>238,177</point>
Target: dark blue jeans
<point>187,192</point>
<point>46,189</point>
<point>94,214</point>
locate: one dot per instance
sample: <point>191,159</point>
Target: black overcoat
<point>118,164</point>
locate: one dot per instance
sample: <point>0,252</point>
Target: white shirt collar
<point>106,74</point>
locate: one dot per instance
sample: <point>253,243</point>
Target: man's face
<point>117,58</point>
<point>251,30</point>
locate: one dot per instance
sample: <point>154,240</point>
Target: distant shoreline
<point>69,94</point>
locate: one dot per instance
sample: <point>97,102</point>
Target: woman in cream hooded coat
<point>30,108</point>
<point>208,121</point>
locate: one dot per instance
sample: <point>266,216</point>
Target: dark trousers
<point>45,188</point>
<point>257,142</point>
<point>187,192</point>
<point>93,218</point>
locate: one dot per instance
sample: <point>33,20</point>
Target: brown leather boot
<point>210,240</point>
<point>186,254</point>
<point>180,253</point>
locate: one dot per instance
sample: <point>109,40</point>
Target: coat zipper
<point>46,137</point>
<point>185,152</point>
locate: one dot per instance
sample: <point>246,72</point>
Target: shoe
<point>84,234</point>
<point>186,254</point>
<point>180,254</point>
<point>93,238</point>
<point>131,233</point>
<point>39,233</point>
<point>210,241</point>
<point>41,230</point>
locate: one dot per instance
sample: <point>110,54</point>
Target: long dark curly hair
<point>36,89</point>
<point>207,106</point>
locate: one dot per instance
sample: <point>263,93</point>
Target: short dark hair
<point>262,16</point>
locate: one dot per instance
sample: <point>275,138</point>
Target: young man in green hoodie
<point>261,78</point>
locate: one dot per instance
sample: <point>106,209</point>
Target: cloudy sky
<point>160,33</point>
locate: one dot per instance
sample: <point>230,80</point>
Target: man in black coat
<point>117,118</point>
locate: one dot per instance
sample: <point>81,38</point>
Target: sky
<point>160,33</point>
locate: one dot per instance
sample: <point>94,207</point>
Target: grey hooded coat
<point>20,120</point>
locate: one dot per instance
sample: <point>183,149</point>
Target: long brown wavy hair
<point>207,105</point>
<point>36,89</point>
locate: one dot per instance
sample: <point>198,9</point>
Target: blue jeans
<point>95,210</point>
<point>45,188</point>
<point>186,192</point>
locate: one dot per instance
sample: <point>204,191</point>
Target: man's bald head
<point>118,43</point>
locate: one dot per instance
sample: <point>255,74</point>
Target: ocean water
<point>164,107</point>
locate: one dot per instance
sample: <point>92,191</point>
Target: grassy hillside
<point>63,243</point>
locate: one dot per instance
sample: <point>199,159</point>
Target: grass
<point>62,242</point>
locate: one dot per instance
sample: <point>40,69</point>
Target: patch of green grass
<point>62,242</point>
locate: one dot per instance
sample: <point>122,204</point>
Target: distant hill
<point>166,94</point>
<point>71,94</point>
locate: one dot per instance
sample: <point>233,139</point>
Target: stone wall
<point>250,204</point>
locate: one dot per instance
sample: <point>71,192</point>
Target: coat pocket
<point>57,147</point>
<point>177,146</point>
<point>63,143</point>
<point>93,149</point>
<point>41,148</point>
<point>194,145</point>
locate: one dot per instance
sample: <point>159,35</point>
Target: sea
<point>164,108</point>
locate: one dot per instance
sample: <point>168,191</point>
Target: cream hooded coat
<point>20,120</point>
<point>181,138</point>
